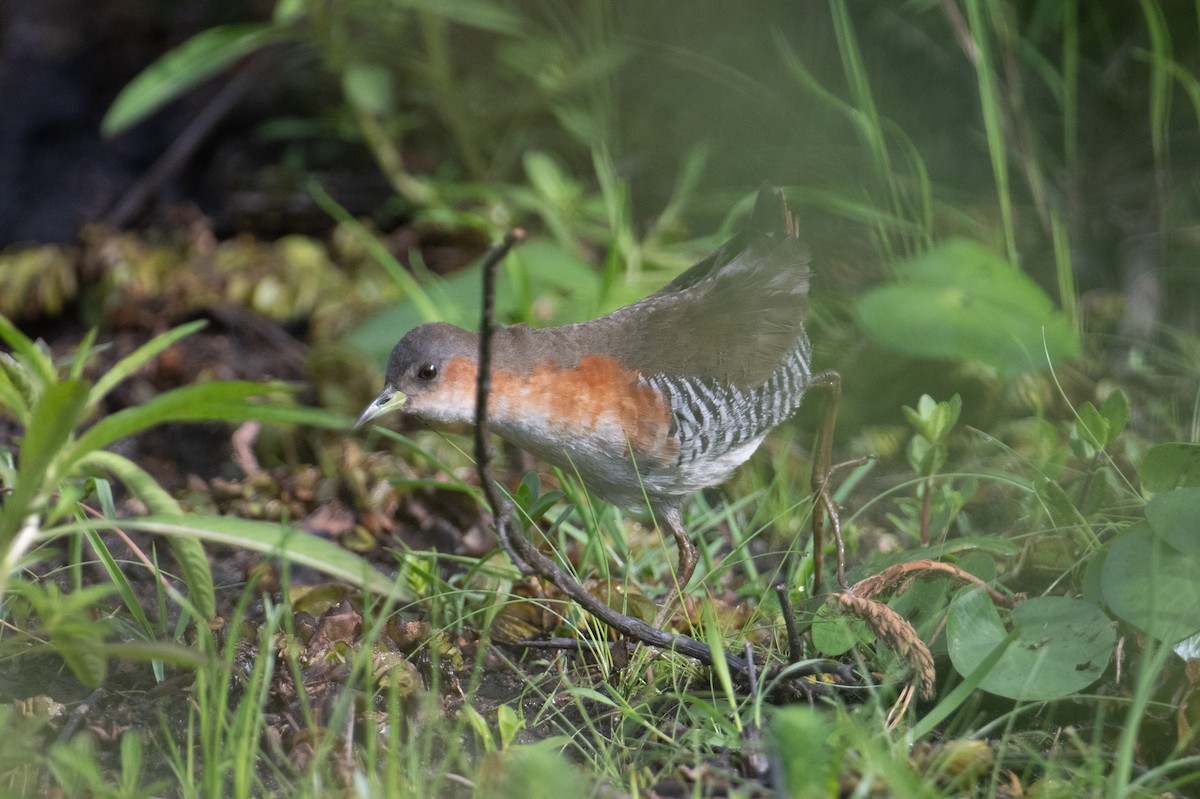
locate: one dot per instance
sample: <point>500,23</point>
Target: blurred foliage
<point>989,189</point>
<point>1055,137</point>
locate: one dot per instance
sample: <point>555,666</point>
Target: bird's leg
<point>672,517</point>
<point>822,466</point>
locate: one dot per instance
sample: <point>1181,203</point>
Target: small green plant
<point>60,457</point>
<point>933,422</point>
<point>1094,432</point>
<point>56,453</point>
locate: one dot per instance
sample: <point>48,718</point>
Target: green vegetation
<point>978,181</point>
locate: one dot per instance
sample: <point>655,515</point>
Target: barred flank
<point>711,419</point>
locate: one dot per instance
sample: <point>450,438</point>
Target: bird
<point>652,402</point>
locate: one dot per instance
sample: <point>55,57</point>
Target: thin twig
<point>751,673</point>
<point>755,761</point>
<point>822,469</point>
<point>835,523</point>
<point>566,644</point>
<point>77,715</point>
<point>795,652</point>
<point>483,388</point>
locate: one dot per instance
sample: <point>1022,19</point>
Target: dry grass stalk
<point>896,633</point>
<point>900,576</point>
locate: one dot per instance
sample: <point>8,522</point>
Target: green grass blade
<point>115,576</point>
<point>136,479</point>
<point>189,553</point>
<point>486,16</point>
<point>80,359</point>
<point>993,123</point>
<point>164,651</point>
<point>408,285</point>
<point>1067,295</point>
<point>193,562</point>
<point>712,636</point>
<point>1070,85</point>
<point>1190,85</point>
<point>234,401</point>
<point>130,363</point>
<point>866,112</point>
<point>1160,78</point>
<point>270,539</point>
<point>923,201</point>
<point>13,400</point>
<point>856,210</point>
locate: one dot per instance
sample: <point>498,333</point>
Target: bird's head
<point>431,374</point>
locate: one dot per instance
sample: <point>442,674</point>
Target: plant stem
<point>17,548</point>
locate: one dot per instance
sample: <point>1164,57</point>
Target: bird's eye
<point>427,371</point>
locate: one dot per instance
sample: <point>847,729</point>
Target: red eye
<point>427,371</point>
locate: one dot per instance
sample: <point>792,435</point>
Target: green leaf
<point>15,390</point>
<point>288,11</point>
<point>190,553</point>
<point>799,736</point>
<point>925,458</point>
<point>1115,410</point>
<point>480,726</point>
<point>1170,466</point>
<point>509,724</point>
<point>132,758</point>
<point>934,420</point>
<point>120,582</point>
<point>82,652</point>
<point>1062,511</point>
<point>1174,517</point>
<point>270,539</point>
<point>68,625</point>
<point>923,605</point>
<point>193,562</point>
<point>189,64</point>
<point>532,771</point>
<point>834,633</point>
<point>1090,426</point>
<point>369,87</point>
<point>57,413</point>
<point>1061,645</point>
<point>82,354</point>
<point>1152,585</point>
<point>166,651</point>
<point>960,300</point>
